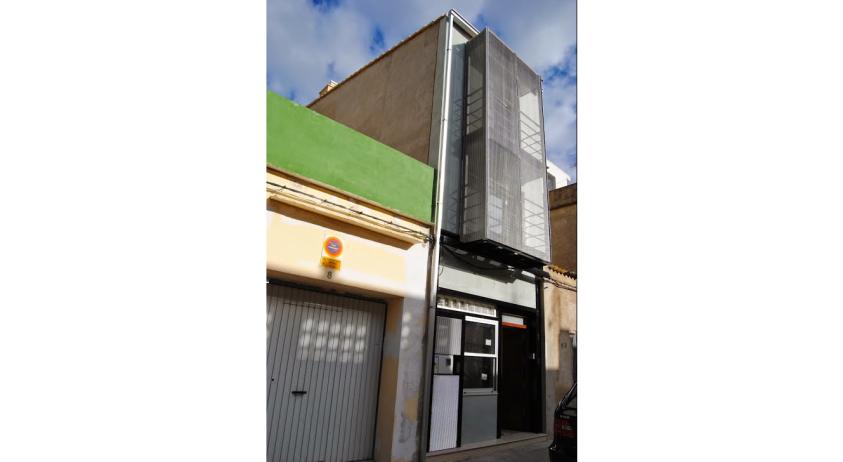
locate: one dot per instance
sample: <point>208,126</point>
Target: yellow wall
<point>383,265</point>
<point>371,260</point>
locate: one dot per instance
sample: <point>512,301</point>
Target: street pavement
<point>533,452</point>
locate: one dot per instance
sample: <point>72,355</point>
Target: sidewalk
<point>533,452</point>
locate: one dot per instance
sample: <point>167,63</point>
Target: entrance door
<point>517,377</point>
<point>322,367</point>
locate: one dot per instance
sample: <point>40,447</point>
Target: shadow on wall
<point>401,376</point>
<point>320,220</point>
<point>480,265</point>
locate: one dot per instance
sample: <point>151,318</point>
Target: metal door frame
<point>536,314</point>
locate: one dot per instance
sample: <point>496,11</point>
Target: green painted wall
<point>304,142</point>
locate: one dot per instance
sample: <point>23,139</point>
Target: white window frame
<point>494,356</point>
<point>484,321</point>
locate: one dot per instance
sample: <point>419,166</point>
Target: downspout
<point>435,248</point>
<point>541,354</point>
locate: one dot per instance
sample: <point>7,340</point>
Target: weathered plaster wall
<point>388,382</point>
<point>560,321</point>
<point>391,99</point>
<point>406,427</point>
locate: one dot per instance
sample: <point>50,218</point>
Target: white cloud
<point>560,123</point>
<point>543,33</point>
<point>309,46</point>
<point>540,32</point>
<point>400,19</point>
<point>304,46</point>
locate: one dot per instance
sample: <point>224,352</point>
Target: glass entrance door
<point>479,381</point>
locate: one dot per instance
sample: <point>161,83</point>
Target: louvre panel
<point>474,201</point>
<point>505,189</point>
<point>534,215</point>
<point>504,167</point>
<point>446,302</point>
<point>454,151</point>
<point>444,413</point>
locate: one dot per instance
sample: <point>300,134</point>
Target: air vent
<point>466,306</point>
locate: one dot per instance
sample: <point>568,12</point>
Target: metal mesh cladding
<point>453,169</point>
<point>505,197</point>
<point>474,200</point>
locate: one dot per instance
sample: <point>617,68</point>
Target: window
<point>480,354</point>
<point>478,372</point>
<point>480,338</point>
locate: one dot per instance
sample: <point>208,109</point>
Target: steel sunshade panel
<point>505,182</point>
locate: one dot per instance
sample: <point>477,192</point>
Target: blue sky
<point>313,41</point>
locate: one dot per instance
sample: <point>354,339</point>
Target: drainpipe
<point>434,258</point>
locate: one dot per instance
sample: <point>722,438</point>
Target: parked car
<point>564,446</point>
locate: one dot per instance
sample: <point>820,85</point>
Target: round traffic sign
<point>333,246</point>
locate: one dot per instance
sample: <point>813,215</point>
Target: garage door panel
<point>339,392</point>
<point>332,382</point>
<point>330,347</point>
<point>287,375</point>
<point>276,319</point>
<point>315,354</point>
<point>277,380</point>
<point>372,386</point>
<point>275,408</point>
<point>296,427</point>
<point>347,396</point>
<point>273,322</point>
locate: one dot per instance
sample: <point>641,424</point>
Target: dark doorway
<point>517,382</point>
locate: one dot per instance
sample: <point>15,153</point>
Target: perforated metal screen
<point>505,197</point>
<point>474,192</point>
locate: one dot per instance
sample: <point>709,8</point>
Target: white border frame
<point>483,321</point>
<point>494,388</point>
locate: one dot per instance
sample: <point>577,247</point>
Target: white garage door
<point>323,367</point>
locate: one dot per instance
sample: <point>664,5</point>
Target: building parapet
<point>561,277</point>
<point>561,197</point>
<point>292,191</point>
<point>313,146</point>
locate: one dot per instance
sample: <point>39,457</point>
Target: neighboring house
<point>563,227</point>
<point>560,292</point>
<point>560,310</point>
<point>460,101</point>
<point>556,177</point>
<point>348,247</point>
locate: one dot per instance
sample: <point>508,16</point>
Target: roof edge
<point>380,57</point>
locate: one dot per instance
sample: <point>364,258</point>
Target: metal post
<point>434,259</point>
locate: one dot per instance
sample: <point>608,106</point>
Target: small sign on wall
<point>513,321</point>
<point>332,253</point>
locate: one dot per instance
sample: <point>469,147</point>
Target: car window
<point>573,403</point>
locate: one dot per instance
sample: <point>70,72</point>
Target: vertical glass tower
<point>504,198</point>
